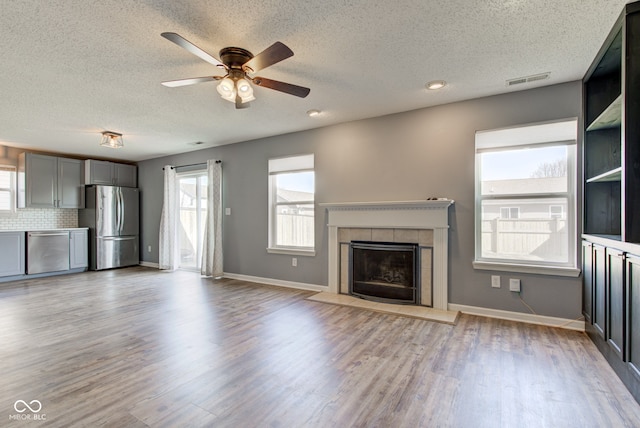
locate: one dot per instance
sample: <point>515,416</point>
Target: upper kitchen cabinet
<point>612,134</point>
<point>49,182</point>
<point>110,173</point>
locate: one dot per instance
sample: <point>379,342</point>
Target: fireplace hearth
<point>384,271</point>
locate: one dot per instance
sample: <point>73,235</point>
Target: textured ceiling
<point>70,69</point>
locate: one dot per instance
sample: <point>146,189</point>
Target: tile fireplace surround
<point>423,222</point>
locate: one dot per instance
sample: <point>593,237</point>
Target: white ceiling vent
<point>528,79</point>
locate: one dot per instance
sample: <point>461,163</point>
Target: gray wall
<point>412,155</point>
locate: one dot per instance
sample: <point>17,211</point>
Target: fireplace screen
<point>385,272</point>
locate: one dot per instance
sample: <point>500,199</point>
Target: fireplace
<point>423,222</point>
<point>384,271</point>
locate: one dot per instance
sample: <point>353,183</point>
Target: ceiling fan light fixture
<point>112,140</point>
<point>245,91</point>
<point>231,97</point>
<point>243,87</point>
<point>225,87</point>
<point>247,98</point>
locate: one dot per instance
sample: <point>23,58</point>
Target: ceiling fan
<point>234,86</point>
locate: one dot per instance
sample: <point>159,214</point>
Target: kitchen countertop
<point>46,229</point>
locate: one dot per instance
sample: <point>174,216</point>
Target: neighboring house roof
<point>293,196</point>
<point>524,186</point>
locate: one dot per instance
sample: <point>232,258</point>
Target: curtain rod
<point>193,164</point>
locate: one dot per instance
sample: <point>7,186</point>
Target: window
<point>7,188</point>
<point>291,205</point>
<point>510,212</point>
<point>556,211</point>
<point>525,198</point>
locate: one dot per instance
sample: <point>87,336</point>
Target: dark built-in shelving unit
<point>611,165</point>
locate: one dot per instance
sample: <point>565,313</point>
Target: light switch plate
<point>495,281</point>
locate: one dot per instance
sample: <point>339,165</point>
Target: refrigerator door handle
<point>118,211</point>
<point>117,238</point>
<point>121,209</point>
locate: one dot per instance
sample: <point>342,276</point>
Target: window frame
<point>300,165</point>
<point>570,268</point>
<point>12,189</point>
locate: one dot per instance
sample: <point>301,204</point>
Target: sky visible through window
<point>299,181</point>
<point>519,163</point>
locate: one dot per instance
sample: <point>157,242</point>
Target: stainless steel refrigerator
<point>112,215</point>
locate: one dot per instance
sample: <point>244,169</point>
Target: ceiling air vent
<point>528,79</point>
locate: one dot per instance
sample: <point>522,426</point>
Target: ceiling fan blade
<point>185,44</point>
<point>271,55</point>
<point>185,82</point>
<point>288,88</point>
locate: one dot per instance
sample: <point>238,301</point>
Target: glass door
<point>192,187</point>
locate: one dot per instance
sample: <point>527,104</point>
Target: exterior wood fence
<point>535,239</point>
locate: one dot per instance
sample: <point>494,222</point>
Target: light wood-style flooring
<point>137,347</point>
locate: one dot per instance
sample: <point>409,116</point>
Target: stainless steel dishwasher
<point>47,251</point>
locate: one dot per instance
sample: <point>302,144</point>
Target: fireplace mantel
<point>421,215</point>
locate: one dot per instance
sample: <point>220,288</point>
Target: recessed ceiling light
<point>436,84</point>
<point>313,113</point>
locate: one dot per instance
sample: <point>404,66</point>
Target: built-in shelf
<point>613,175</point>
<point>610,117</point>
<point>611,201</point>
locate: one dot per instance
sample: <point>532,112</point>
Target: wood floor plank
<point>138,347</point>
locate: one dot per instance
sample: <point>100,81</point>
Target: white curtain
<point>212,245</point>
<point>169,257</point>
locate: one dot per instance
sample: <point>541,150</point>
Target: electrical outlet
<point>227,211</point>
<point>294,262</point>
<point>495,281</point>
<point>149,249</point>
<point>514,285</point>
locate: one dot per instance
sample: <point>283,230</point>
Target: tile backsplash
<point>36,219</point>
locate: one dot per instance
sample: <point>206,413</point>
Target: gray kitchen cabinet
<point>70,187</point>
<point>98,172</point>
<point>126,175</point>
<point>12,253</point>
<point>49,182</point>
<point>110,173</point>
<point>78,249</point>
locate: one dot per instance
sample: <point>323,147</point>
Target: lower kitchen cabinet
<point>599,288</point>
<point>616,301</point>
<point>12,253</point>
<point>611,304</point>
<point>78,249</point>
<point>587,283</point>
<point>633,314</point>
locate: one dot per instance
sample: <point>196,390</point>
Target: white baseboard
<point>277,282</point>
<point>518,316</point>
<point>150,264</point>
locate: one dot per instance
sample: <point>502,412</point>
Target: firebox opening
<point>384,271</point>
